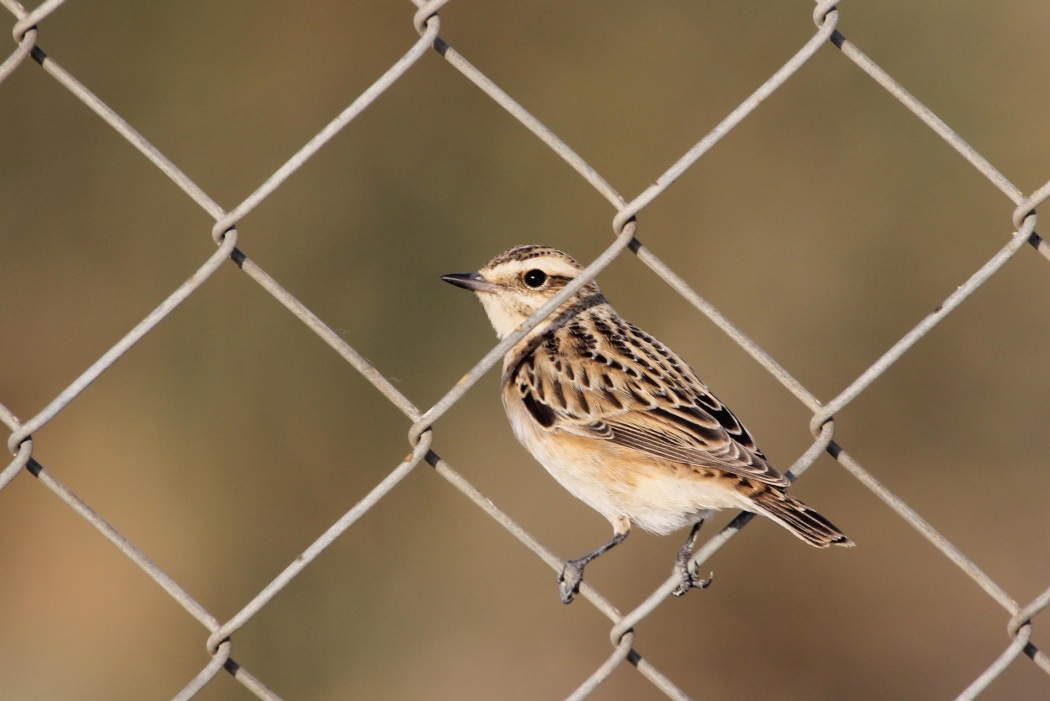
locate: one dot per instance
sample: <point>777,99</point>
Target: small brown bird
<point>620,420</point>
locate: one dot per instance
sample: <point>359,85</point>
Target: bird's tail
<point>801,520</point>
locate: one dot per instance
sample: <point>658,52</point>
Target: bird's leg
<point>690,580</point>
<point>572,574</point>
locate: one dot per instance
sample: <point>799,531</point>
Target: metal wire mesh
<point>424,422</point>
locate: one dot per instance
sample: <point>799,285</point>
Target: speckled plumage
<point>619,419</point>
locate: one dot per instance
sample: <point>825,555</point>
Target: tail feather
<point>801,520</point>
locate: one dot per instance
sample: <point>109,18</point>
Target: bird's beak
<point>470,281</point>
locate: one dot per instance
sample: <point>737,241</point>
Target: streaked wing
<point>600,377</point>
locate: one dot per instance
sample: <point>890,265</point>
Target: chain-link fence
<point>425,422</point>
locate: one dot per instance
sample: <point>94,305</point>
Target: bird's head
<point>519,281</point>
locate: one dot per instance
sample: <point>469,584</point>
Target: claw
<point>691,580</point>
<point>569,581</point>
<point>572,573</point>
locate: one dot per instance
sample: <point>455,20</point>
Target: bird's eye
<point>534,278</point>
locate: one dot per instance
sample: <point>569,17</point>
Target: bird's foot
<point>569,581</point>
<point>690,580</point>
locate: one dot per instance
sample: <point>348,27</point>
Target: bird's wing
<point>600,377</point>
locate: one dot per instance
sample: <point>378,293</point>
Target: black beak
<point>470,281</point>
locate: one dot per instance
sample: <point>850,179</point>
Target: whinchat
<point>620,420</point>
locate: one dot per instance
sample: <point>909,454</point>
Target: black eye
<point>534,278</point>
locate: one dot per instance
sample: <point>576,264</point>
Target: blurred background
<point>825,226</point>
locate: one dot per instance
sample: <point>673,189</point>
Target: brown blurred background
<point>826,226</point>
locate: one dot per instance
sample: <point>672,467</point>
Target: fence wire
<point>427,23</point>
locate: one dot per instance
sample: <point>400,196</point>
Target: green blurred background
<point>826,226</point>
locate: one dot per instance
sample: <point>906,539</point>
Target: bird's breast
<point>657,495</point>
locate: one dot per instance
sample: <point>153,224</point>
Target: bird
<point>620,420</point>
